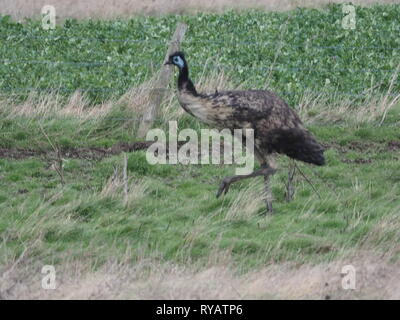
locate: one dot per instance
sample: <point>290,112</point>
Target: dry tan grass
<point>247,202</point>
<point>318,107</point>
<point>41,105</point>
<point>45,105</point>
<point>314,108</point>
<point>114,188</point>
<point>122,8</point>
<point>376,278</point>
<point>323,107</point>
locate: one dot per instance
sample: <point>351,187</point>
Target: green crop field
<point>298,50</point>
<point>70,103</point>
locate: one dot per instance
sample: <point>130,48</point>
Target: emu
<point>277,127</point>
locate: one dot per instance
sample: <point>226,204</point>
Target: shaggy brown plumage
<point>277,127</point>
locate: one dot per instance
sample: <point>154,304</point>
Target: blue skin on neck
<point>183,79</point>
<point>179,62</point>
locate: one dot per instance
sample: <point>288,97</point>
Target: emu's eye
<point>176,59</point>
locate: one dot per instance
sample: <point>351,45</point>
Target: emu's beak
<point>167,63</point>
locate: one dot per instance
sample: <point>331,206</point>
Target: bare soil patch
<point>89,153</point>
<point>98,153</point>
<point>358,161</point>
<point>393,145</point>
<point>362,146</point>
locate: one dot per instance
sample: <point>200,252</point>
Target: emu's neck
<point>184,83</point>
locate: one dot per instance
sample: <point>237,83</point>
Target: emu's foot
<point>224,186</point>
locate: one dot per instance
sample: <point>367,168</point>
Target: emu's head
<point>177,59</point>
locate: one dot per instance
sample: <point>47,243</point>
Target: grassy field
<point>61,156</point>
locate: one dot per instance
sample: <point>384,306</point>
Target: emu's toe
<point>223,187</point>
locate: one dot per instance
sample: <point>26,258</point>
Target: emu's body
<point>277,128</point>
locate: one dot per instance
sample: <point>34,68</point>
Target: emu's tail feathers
<point>298,144</point>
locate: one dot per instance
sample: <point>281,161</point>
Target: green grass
<point>178,218</point>
<point>172,214</point>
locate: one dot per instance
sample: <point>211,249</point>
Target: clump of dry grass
<point>323,108</point>
<point>247,202</point>
<point>330,108</point>
<point>48,105</point>
<point>138,98</point>
<point>41,105</point>
<point>216,80</point>
<point>117,184</point>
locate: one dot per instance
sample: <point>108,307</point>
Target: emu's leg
<point>265,171</point>
<point>290,185</point>
<point>268,194</point>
